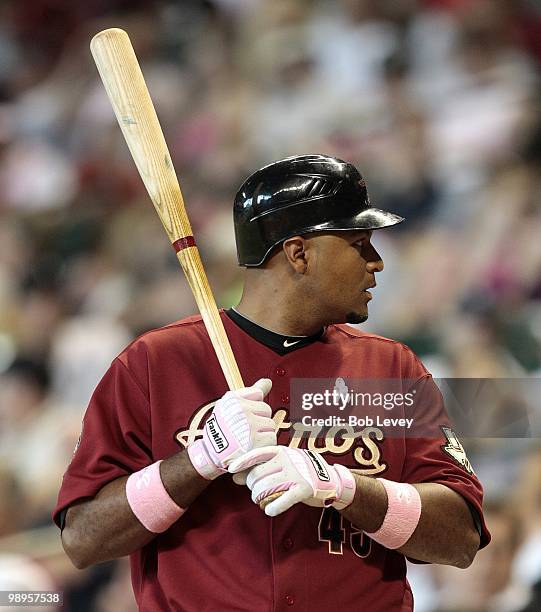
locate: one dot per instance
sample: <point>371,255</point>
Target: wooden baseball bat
<point>124,83</point>
<point>127,91</point>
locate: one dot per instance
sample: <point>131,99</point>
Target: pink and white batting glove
<point>303,475</point>
<point>240,422</point>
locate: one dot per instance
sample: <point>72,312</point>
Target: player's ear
<point>294,249</point>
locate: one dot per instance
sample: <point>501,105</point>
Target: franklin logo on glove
<point>321,472</point>
<point>216,435</point>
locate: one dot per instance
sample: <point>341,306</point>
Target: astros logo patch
<point>455,450</point>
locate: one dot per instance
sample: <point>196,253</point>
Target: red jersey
<point>224,552</point>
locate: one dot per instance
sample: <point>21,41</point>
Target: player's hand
<point>240,421</point>
<point>303,476</point>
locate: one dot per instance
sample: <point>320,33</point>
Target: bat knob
<point>267,500</point>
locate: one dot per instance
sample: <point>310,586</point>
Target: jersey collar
<point>277,342</point>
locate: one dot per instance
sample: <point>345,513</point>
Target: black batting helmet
<point>298,195</point>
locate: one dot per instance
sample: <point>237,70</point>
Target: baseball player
<point>152,473</point>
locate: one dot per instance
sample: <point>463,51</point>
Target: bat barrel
<point>132,105</point>
<point>127,91</point>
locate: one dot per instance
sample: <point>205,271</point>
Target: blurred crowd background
<point>436,101</point>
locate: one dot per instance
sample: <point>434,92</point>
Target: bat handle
<point>191,263</point>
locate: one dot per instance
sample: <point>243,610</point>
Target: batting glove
<point>240,421</point>
<point>302,476</point>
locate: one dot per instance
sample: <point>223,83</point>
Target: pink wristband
<point>149,500</point>
<point>403,514</point>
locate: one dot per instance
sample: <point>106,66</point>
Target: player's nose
<point>375,266</point>
<point>374,262</point>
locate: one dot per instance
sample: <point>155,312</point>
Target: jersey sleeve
<point>435,454</point>
<point>115,438</point>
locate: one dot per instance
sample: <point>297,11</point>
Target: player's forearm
<point>445,533</point>
<point>105,527</point>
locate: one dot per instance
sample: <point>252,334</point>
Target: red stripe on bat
<point>183,243</point>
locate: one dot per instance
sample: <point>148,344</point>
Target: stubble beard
<point>356,317</point>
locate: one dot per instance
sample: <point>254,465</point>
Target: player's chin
<point>355,317</point>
